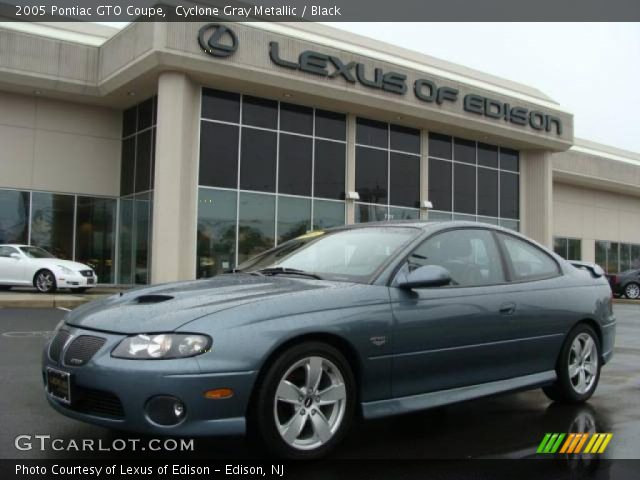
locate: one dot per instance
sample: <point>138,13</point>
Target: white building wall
<point>590,214</point>
<point>59,146</point>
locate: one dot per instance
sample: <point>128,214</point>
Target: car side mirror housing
<point>15,256</point>
<point>426,276</point>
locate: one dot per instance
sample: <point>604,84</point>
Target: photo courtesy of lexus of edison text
<point>319,239</point>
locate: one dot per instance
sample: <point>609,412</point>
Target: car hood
<point>52,262</point>
<point>165,308</point>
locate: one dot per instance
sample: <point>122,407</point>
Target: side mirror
<point>426,276</point>
<point>15,256</point>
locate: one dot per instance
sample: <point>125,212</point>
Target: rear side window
<point>470,255</point>
<point>528,262</point>
<point>7,251</point>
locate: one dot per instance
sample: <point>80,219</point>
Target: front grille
<point>96,402</point>
<point>57,344</point>
<point>82,349</point>
<point>86,273</point>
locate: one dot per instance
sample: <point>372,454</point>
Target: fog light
<point>218,393</point>
<point>165,410</point>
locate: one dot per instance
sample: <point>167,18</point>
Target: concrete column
<point>351,166</point>
<point>424,172</point>
<point>588,249</point>
<point>536,196</point>
<point>175,197</point>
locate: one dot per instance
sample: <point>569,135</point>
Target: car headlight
<point>66,270</point>
<point>162,346</point>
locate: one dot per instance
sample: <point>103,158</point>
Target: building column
<point>173,249</point>
<point>536,196</point>
<point>588,249</point>
<point>351,168</point>
<point>424,173</point>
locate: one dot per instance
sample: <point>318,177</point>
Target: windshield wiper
<point>284,270</point>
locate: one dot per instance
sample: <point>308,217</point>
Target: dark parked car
<point>626,283</point>
<point>370,319</point>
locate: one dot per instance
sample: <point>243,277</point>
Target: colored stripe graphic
<point>573,443</point>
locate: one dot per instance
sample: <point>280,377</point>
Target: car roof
<point>13,245</point>
<point>422,224</point>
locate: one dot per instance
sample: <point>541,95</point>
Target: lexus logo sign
<point>217,40</point>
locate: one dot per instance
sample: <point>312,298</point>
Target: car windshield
<point>344,255</point>
<point>35,252</point>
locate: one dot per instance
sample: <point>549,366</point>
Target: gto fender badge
<point>378,341</point>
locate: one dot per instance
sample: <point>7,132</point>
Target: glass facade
<point>568,248</point>
<point>72,227</point>
<point>387,171</point>
<point>474,181</point>
<point>136,192</point>
<point>269,171</point>
<point>615,257</point>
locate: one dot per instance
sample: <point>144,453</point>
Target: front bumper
<point>133,383</point>
<point>75,281</point>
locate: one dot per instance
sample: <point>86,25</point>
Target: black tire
<point>4,288</point>
<point>79,290</point>
<point>43,286</point>
<point>563,390</point>
<point>263,412</point>
<point>632,291</point>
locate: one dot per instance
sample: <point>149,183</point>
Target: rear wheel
<point>306,401</point>
<point>632,291</point>
<point>578,367</point>
<point>79,290</point>
<point>45,281</point>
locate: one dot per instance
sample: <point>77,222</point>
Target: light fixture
<point>131,93</point>
<point>37,92</point>
<point>352,196</point>
<point>288,95</point>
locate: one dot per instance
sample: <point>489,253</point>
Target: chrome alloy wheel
<point>583,363</point>
<point>45,281</point>
<point>310,403</point>
<point>632,291</point>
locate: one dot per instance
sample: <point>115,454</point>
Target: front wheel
<point>306,401</point>
<point>79,290</point>
<point>578,367</point>
<point>45,281</point>
<point>632,291</point>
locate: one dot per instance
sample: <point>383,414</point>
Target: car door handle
<point>507,308</point>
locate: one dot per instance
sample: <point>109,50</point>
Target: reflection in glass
<point>52,223</point>
<point>371,174</point>
<point>329,175</point>
<point>258,160</point>
<point>141,242</point>
<point>331,125</point>
<point>574,249</point>
<point>219,105</point>
<point>635,256</point>
<point>404,180</point>
<point>440,180</point>
<point>14,216</point>
<point>489,220</point>
<point>440,146</point>
<point>366,212</point>
<point>294,217</point>
<point>612,257</point>
<point>510,224</point>
<point>294,170</point>
<point>601,254</point>
<point>435,216</point>
<point>509,195</point>
<point>216,232</point>
<point>218,155</point>
<point>397,213</point>
<point>464,188</point>
<point>296,118</point>
<point>327,214</point>
<point>372,132</point>
<point>255,224</point>
<point>95,227</point>
<point>125,239</point>
<point>560,246</point>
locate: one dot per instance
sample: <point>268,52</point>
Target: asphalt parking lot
<point>507,426</point>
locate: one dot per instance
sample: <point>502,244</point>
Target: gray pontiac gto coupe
<point>370,320</point>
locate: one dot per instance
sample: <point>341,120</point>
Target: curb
<point>626,301</point>
<point>50,302</point>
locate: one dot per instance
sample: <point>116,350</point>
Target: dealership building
<point>167,151</point>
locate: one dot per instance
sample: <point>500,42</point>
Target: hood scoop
<point>146,299</point>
